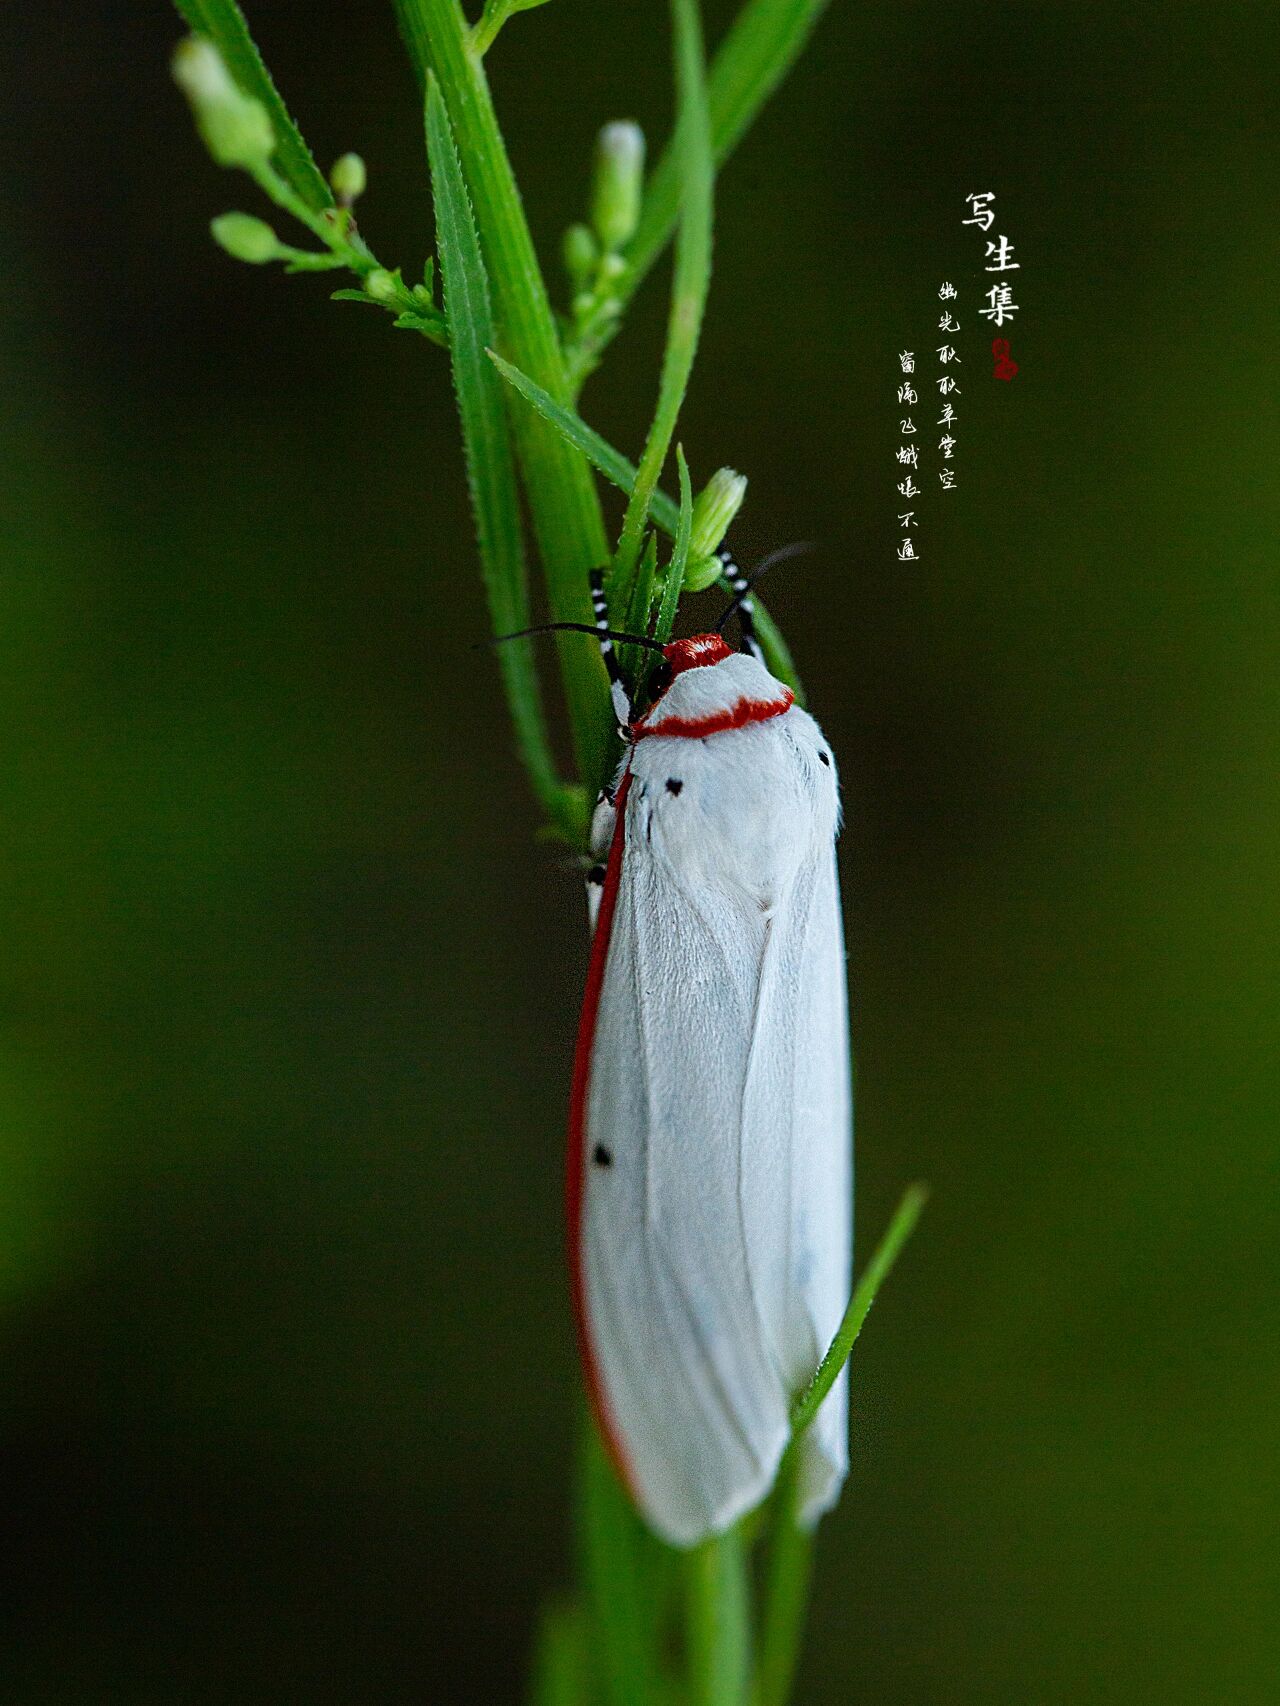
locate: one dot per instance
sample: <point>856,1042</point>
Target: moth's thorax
<point>714,689</point>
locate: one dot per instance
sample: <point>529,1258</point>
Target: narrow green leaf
<point>876,1272</point>
<point>224,24</point>
<point>679,556</point>
<point>690,279</point>
<point>599,452</point>
<point>787,1573</point>
<point>718,1622</point>
<point>762,44</point>
<point>789,1565</point>
<point>494,16</point>
<point>563,500</point>
<point>662,509</point>
<point>634,659</point>
<point>490,463</point>
<point>622,1567</point>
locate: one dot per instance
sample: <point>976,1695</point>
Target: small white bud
<point>581,253</point>
<point>348,178</point>
<point>714,509</point>
<point>702,572</point>
<point>381,285</point>
<point>619,181</point>
<point>245,238</point>
<point>236,129</point>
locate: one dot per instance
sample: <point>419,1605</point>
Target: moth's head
<point>697,652</point>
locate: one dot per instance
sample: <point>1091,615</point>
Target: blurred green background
<point>290,992</point>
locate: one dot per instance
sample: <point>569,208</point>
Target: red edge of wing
<point>736,716</point>
<point>575,1161</point>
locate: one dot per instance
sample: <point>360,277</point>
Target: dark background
<point>290,990</point>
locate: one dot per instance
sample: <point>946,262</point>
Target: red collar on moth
<point>699,652</point>
<point>695,653</point>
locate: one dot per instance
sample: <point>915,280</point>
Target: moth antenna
<point>577,628</point>
<point>743,586</point>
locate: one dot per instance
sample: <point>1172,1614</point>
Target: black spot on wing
<point>674,784</point>
<point>601,1156</point>
<point>824,758</point>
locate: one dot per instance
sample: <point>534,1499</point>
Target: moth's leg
<point>746,610</point>
<point>617,687</point>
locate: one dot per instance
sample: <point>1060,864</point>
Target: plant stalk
<point>563,501</point>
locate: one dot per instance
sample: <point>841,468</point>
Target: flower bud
<point>714,509</point>
<point>382,286</point>
<point>619,180</point>
<point>702,572</point>
<point>236,129</point>
<point>581,253</point>
<point>245,238</point>
<point>348,178</point>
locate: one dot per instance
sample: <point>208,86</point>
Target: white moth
<point>710,1158</point>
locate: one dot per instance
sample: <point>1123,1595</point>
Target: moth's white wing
<point>715,1235</point>
<point>797,1118</point>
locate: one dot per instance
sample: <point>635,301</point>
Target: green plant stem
<point>560,1657</point>
<point>563,501</point>
<point>491,470</point>
<point>790,1562</point>
<point>759,49</point>
<point>223,23</point>
<point>788,1571</point>
<point>621,1564</point>
<point>663,510</point>
<point>689,280</point>
<point>718,1621</point>
<point>876,1272</point>
<point>334,227</point>
<point>679,555</point>
<point>328,224</point>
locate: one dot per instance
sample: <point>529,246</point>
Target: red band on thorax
<point>735,716</point>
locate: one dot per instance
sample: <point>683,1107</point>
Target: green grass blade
<point>599,452</point>
<point>663,511</point>
<point>634,659</point>
<point>562,495</point>
<point>679,556</point>
<point>491,470</point>
<point>762,44</point>
<point>789,1565</point>
<point>718,1622</point>
<point>690,278</point>
<point>788,1570</point>
<point>224,24</point>
<point>877,1271</point>
<point>622,1565</point>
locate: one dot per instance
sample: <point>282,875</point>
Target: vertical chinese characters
<point>1001,306</point>
<point>947,386</point>
<point>907,455</point>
